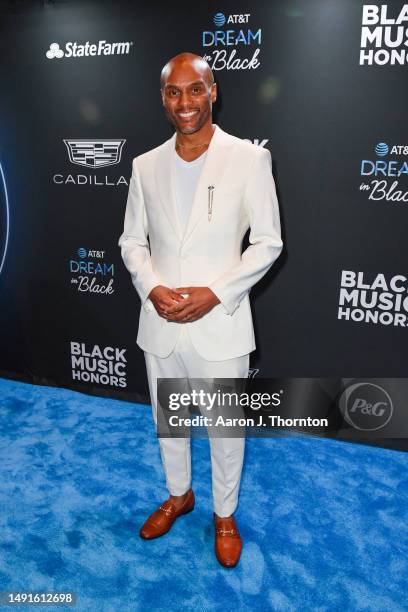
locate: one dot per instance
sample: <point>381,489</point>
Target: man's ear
<point>213,92</point>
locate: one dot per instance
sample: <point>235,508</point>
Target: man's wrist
<point>151,291</point>
<point>216,298</point>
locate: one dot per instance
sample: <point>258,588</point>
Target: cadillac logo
<point>94,153</point>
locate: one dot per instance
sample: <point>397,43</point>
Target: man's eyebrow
<point>169,85</point>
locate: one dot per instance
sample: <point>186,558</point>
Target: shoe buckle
<point>168,511</point>
<point>222,531</point>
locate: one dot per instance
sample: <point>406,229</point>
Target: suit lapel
<point>211,174</point>
<point>164,173</point>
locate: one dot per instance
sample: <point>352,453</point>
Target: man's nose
<point>185,99</point>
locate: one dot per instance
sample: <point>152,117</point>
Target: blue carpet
<point>324,522</point>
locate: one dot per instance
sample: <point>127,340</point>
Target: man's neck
<point>191,146</point>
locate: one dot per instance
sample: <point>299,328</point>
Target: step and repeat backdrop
<point>321,84</point>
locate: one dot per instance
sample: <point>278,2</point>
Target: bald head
<point>185,62</point>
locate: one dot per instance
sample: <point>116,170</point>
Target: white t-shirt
<point>186,179</point>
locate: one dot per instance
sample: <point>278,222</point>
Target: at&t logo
<point>90,272</point>
<point>386,172</point>
<point>227,35</point>
<point>220,19</point>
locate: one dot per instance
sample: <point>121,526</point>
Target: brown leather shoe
<point>228,543</point>
<point>161,521</point>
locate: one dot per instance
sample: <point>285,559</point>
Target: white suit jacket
<point>209,252</point>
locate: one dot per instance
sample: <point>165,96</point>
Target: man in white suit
<point>191,200</point>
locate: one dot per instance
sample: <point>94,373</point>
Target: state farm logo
<point>54,51</point>
<point>74,49</point>
<point>366,406</point>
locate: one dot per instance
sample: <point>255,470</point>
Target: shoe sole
<point>167,530</point>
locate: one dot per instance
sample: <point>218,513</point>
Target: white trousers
<point>227,454</point>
